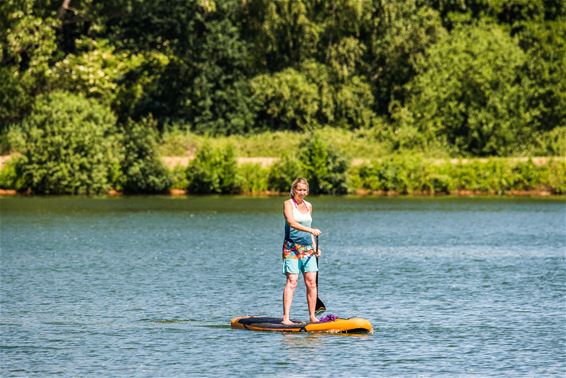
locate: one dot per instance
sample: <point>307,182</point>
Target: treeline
<point>89,88</point>
<point>476,77</point>
<point>59,157</point>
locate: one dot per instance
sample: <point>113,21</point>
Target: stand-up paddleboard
<point>339,325</point>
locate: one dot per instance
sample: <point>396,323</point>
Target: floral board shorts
<point>298,258</point>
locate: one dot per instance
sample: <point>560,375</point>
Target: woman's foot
<point>287,322</point>
<point>314,319</point>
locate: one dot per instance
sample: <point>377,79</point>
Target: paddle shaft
<point>320,307</point>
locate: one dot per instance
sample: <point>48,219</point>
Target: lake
<point>146,286</point>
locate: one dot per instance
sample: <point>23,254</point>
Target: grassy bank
<point>355,144</point>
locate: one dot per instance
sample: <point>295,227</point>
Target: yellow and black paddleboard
<point>340,325</point>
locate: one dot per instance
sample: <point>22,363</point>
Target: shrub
<point>437,178</point>
<point>525,176</point>
<point>11,139</point>
<point>178,177</point>
<point>142,169</point>
<point>9,176</point>
<point>254,178</point>
<point>70,146</point>
<point>555,176</point>
<point>324,167</point>
<point>213,170</point>
<point>401,174</point>
<point>283,172</point>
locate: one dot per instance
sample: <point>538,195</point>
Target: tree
<point>544,74</point>
<point>401,34</point>
<point>468,93</point>
<point>71,146</point>
<point>323,166</point>
<point>27,44</point>
<point>213,171</point>
<point>142,170</point>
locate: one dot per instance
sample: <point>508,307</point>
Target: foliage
<point>178,175</point>
<point>142,169</point>
<point>458,78</point>
<point>401,34</point>
<point>551,143</point>
<point>27,44</point>
<point>119,79</point>
<point>283,172</point>
<point>467,93</point>
<point>555,176</point>
<point>254,178</point>
<point>410,175</point>
<point>544,75</point>
<point>213,171</point>
<point>70,146</point>
<point>203,83</point>
<point>323,166</point>
<point>9,178</point>
<point>302,99</point>
<point>287,100</point>
<point>403,174</point>
<point>11,140</point>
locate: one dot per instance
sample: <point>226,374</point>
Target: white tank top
<point>305,219</point>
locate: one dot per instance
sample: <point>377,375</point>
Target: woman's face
<point>301,190</point>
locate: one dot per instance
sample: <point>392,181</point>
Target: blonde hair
<point>296,182</point>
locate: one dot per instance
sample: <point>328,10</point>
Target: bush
<point>254,178</point>
<point>178,177</point>
<point>283,172</point>
<point>555,176</point>
<point>213,170</point>
<point>9,176</point>
<point>11,139</point>
<point>525,176</point>
<point>324,167</point>
<point>70,146</point>
<point>401,174</point>
<point>142,169</point>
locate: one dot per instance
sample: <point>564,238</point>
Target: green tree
<point>468,94</point>
<point>27,44</point>
<point>213,171</point>
<point>544,74</point>
<point>142,170</point>
<point>283,172</point>
<point>401,33</point>
<point>287,100</point>
<point>283,32</point>
<point>204,82</point>
<point>70,146</point>
<point>324,167</point>
<point>504,12</point>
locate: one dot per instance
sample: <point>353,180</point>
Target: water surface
<point>146,286</point>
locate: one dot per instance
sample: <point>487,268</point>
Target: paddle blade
<point>320,307</point>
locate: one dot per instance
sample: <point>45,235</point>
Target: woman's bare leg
<point>288,294</point>
<point>310,283</point>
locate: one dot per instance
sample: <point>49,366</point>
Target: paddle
<point>320,307</point>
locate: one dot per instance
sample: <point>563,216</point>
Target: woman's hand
<point>316,232</point>
<point>317,254</point>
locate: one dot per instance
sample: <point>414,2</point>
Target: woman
<point>299,249</point>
